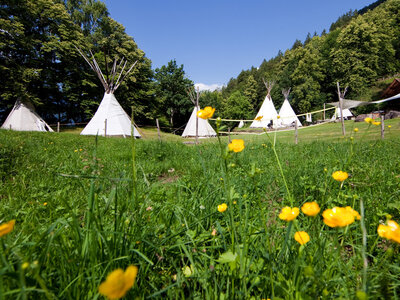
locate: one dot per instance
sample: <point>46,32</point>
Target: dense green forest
<point>39,63</point>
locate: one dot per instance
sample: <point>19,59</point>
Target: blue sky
<point>216,39</point>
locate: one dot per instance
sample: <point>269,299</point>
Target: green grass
<point>78,216</point>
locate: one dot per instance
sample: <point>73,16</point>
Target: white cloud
<point>208,87</point>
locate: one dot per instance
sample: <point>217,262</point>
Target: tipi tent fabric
<point>110,119</point>
<point>268,114</point>
<point>287,114</point>
<point>241,124</point>
<point>24,118</point>
<point>346,113</point>
<point>204,128</point>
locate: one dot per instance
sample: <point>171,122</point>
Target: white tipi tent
<point>346,114</point>
<point>267,112</point>
<point>204,129</point>
<point>24,118</point>
<point>286,113</point>
<point>110,118</point>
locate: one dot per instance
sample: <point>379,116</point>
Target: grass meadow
<point>85,206</point>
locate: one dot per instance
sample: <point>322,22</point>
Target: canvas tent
<point>346,114</point>
<point>287,115</point>
<point>197,127</point>
<point>110,118</point>
<point>267,112</point>
<point>24,118</point>
<point>204,128</point>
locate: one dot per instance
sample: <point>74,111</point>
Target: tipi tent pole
<point>158,130</point>
<point>197,119</point>
<point>295,132</point>
<point>382,126</point>
<point>105,128</point>
<point>341,109</point>
<point>58,126</point>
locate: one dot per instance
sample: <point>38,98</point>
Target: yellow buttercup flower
<point>7,227</point>
<point>222,207</point>
<point>278,117</point>
<point>340,216</point>
<point>356,129</point>
<point>206,113</point>
<point>302,237</point>
<point>289,214</point>
<point>389,126</point>
<point>310,209</point>
<point>353,212</point>
<point>369,120</point>
<point>258,118</point>
<point>340,175</point>
<point>237,145</point>
<point>376,123</point>
<point>118,283</point>
<point>391,231</point>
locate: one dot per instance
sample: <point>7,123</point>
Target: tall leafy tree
<point>251,90</point>
<point>171,92</point>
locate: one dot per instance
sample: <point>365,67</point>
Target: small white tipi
<point>267,112</point>
<point>24,118</point>
<point>287,115</point>
<point>346,114</point>
<point>204,129</point>
<point>110,118</point>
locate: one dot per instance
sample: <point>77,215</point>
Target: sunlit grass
<point>77,219</point>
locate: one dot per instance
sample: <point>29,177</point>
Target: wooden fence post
<point>158,130</point>
<point>382,126</point>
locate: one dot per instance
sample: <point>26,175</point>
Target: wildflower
<point>149,208</point>
<point>25,265</point>
<point>206,113</point>
<point>214,232</point>
<point>376,123</point>
<point>234,202</point>
<point>44,204</point>
<point>340,175</point>
<point>288,214</point>
<point>202,207</point>
<point>237,145</point>
<point>310,209</point>
<point>340,216</point>
<point>356,129</point>
<point>389,126</point>
<point>391,231</point>
<point>222,207</point>
<point>302,237</point>
<point>76,150</point>
<point>369,120</point>
<point>118,282</point>
<point>80,149</point>
<point>353,212</point>
<point>325,170</point>
<point>278,117</point>
<point>258,118</point>
<point>7,227</point>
